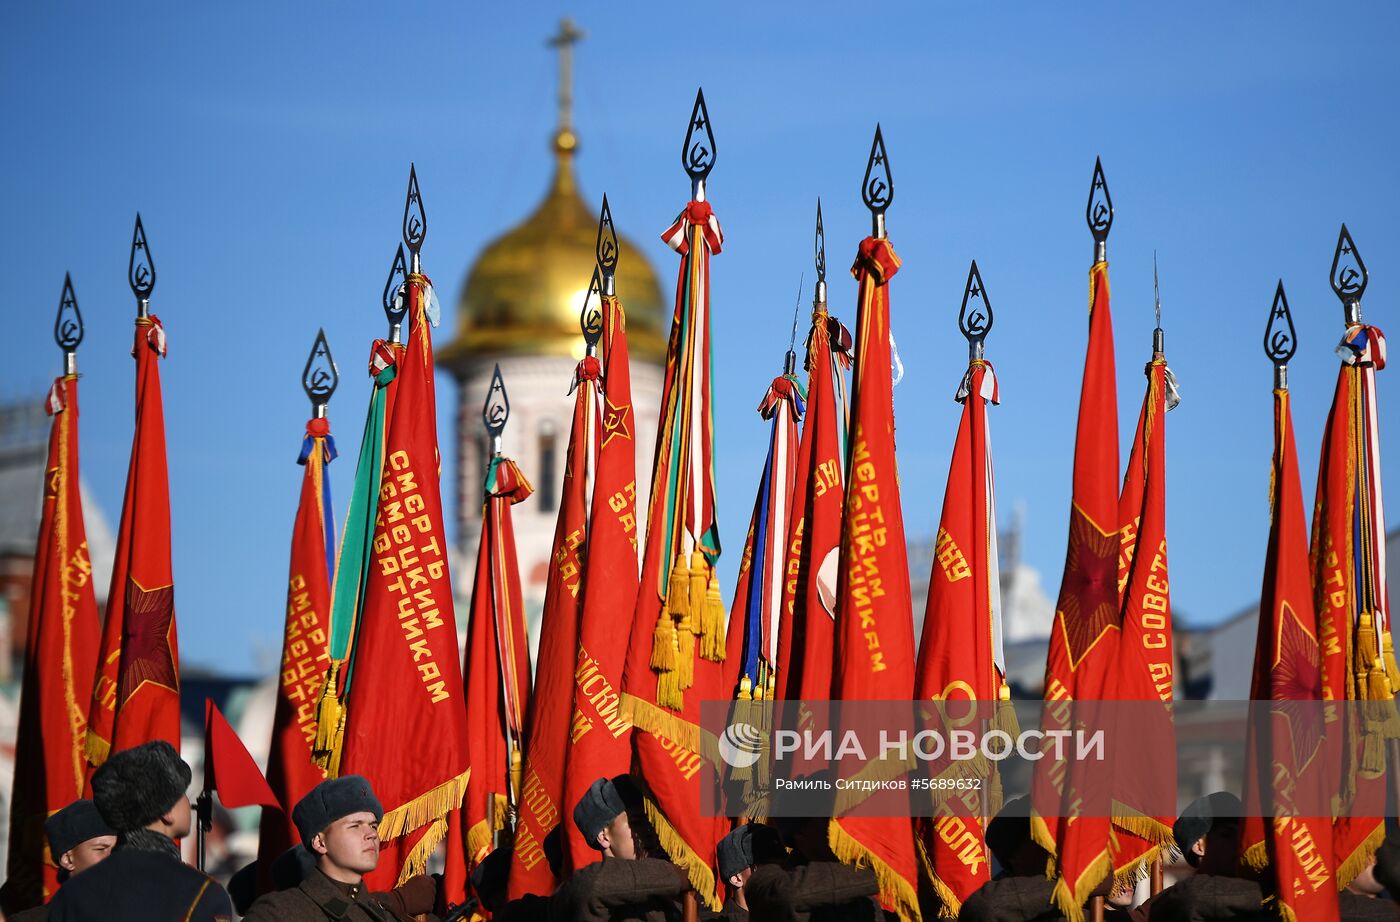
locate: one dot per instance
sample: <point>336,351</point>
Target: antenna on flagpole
<point>496,411</point>
<point>141,270</point>
<point>877,189</point>
<point>68,326</point>
<point>790,360</point>
<point>1280,338</point>
<point>1099,212</point>
<point>320,377</point>
<point>975,317</point>
<point>415,219</point>
<point>1159,339</point>
<point>698,151</point>
<point>1349,276</point>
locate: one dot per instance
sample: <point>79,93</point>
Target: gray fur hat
<point>331,800</point>
<point>137,786</point>
<point>599,806</point>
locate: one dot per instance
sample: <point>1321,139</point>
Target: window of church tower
<point>549,447</point>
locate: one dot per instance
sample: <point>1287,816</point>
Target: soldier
<point>78,839</point>
<point>1360,901</point>
<point>1208,834</point>
<point>339,824</point>
<point>764,885</point>
<point>1020,892</point>
<point>626,884</point>
<point>140,793</point>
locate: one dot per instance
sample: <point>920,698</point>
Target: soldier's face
<point>180,818</point>
<point>351,843</point>
<point>85,854</point>
<point>616,838</point>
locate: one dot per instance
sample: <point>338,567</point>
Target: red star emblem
<point>1088,606</point>
<point>615,422</point>
<point>1297,676</point>
<point>146,654</point>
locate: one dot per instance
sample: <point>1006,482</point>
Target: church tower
<point>520,308</point>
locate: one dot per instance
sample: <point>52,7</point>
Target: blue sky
<point>267,146</point>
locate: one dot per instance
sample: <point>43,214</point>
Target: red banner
<point>676,657</point>
<point>405,682</point>
<point>874,611</point>
<point>305,646</point>
<point>552,701</point>
<point>136,696</point>
<point>60,658</point>
<point>1081,661</point>
<point>601,736</point>
<point>1288,667</point>
<point>497,670</point>
<point>960,657</point>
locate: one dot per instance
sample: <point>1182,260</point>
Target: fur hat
<point>1195,821</point>
<point>137,786</point>
<point>331,800</point>
<point>74,825</point>
<point>599,806</point>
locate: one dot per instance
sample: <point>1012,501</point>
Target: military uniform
<point>1211,898</point>
<point>318,899</point>
<point>1012,899</point>
<point>144,879</point>
<point>1357,908</point>
<point>620,890</point>
<point>37,914</point>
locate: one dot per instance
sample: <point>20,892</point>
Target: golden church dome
<point>523,295</point>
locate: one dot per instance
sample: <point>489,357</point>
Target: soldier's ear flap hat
<point>74,825</point>
<point>333,799</point>
<point>735,851</point>
<point>137,786</point>
<point>599,806</point>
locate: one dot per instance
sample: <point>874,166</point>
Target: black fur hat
<point>137,786</point>
<point>599,806</point>
<point>331,800</point>
<point>74,825</point>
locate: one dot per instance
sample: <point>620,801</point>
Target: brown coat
<point>319,899</point>
<point>618,890</point>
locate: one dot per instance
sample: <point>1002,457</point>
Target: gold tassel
<point>678,590</point>
<point>1365,642</point>
<point>685,657</point>
<point>333,761</point>
<point>746,689</point>
<point>668,691</point>
<point>663,644</point>
<point>329,718</point>
<point>699,579</point>
<point>1392,672</point>
<point>712,623</point>
<point>1372,751</point>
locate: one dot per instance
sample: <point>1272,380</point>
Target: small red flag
<point>60,658</point>
<point>1080,663</point>
<point>229,769</point>
<point>406,681</point>
<point>136,696</point>
<point>874,611</point>
<point>291,772</point>
<point>552,702</point>
<point>960,656</point>
<point>601,736</point>
<point>1287,667</point>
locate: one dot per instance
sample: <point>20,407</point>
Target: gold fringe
<point>678,591</point>
<point>712,623</point>
<point>699,580</point>
<point>702,877</point>
<point>663,643</point>
<point>685,656</point>
<point>478,842</point>
<point>1359,859</point>
<point>649,718</point>
<point>1256,857</point>
<point>425,808</point>
<point>948,903</point>
<point>1145,827</point>
<point>329,719</point>
<point>1130,874</point>
<point>1040,835</point>
<point>894,890</point>
<point>96,748</point>
<point>1071,900</point>
<point>1284,911</point>
<point>417,860</point>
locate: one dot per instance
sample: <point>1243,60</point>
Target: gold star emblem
<point>615,422</point>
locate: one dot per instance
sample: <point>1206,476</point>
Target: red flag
<point>552,701</point>
<point>405,682</point>
<point>1287,667</point>
<point>960,656</point>
<point>60,658</point>
<point>136,696</point>
<point>676,656</point>
<point>228,767</point>
<point>1145,649</point>
<point>1080,663</point>
<point>601,738</point>
<point>1349,585</point>
<point>497,670</point>
<point>305,645</point>
<point>874,612</point>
